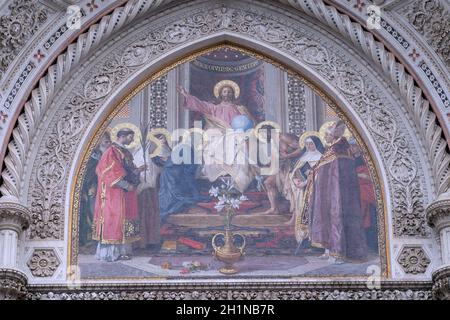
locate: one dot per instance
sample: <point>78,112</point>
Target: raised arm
<point>195,104</point>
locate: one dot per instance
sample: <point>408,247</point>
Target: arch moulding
<point>380,99</point>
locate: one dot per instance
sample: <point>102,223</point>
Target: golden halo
<point>306,135</point>
<point>326,126</point>
<point>135,128</point>
<point>151,136</point>
<point>265,123</point>
<point>219,85</point>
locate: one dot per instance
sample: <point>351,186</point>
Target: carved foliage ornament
<point>430,18</point>
<point>441,284</point>
<point>13,284</point>
<point>59,147</point>
<point>43,263</point>
<point>273,294</point>
<point>25,18</point>
<point>413,260</point>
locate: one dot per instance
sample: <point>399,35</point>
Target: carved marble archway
<point>383,117</point>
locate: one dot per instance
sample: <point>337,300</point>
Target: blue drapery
<point>178,187</point>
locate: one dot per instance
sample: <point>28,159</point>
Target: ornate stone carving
<point>432,20</point>
<point>25,18</point>
<point>419,107</point>
<point>271,291</point>
<point>27,70</point>
<point>436,85</point>
<point>441,284</point>
<point>13,215</point>
<point>13,284</point>
<point>394,33</point>
<point>438,216</point>
<point>60,145</point>
<point>413,259</point>
<point>43,263</point>
<point>438,212</point>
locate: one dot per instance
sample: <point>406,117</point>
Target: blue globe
<point>242,123</point>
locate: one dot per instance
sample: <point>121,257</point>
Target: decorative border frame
<point>384,254</point>
<point>314,290</point>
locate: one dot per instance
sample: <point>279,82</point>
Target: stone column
<point>14,219</point>
<point>438,216</point>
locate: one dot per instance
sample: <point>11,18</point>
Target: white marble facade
<point>59,81</point>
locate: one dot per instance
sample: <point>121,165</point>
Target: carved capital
<point>13,284</point>
<point>438,212</point>
<point>441,284</point>
<point>13,215</point>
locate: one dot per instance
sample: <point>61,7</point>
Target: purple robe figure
<point>333,208</point>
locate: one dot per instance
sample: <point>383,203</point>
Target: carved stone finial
<point>13,284</point>
<point>13,215</point>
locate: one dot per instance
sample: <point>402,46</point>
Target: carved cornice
<point>13,284</point>
<point>441,283</point>
<point>14,215</point>
<point>315,290</point>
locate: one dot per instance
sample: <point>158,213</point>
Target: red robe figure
<point>333,208</point>
<point>368,199</point>
<point>116,216</point>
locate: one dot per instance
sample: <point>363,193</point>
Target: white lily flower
<point>235,203</point>
<point>219,207</point>
<point>223,199</point>
<point>228,184</point>
<point>214,192</point>
<point>243,198</point>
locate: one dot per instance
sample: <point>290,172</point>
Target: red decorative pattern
<point>359,5</point>
<point>3,117</point>
<point>92,6</point>
<point>414,55</point>
<point>39,55</point>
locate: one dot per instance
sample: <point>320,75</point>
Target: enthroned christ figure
<point>220,116</point>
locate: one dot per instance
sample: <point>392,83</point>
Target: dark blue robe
<point>178,188</point>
